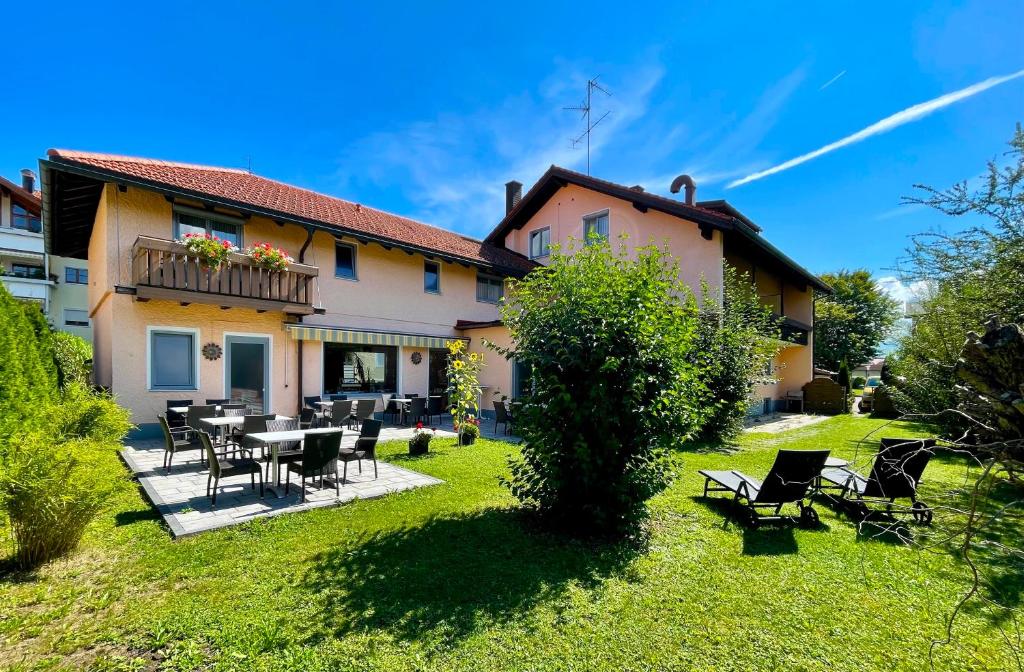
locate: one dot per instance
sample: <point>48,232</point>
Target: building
<point>702,236</point>
<point>366,308</point>
<point>869,369</point>
<point>29,273</point>
<point>372,297</point>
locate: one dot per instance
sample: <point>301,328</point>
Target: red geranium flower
<point>419,425</point>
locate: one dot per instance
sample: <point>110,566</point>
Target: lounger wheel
<point>922,513</point>
<point>753,520</point>
<point>809,517</point>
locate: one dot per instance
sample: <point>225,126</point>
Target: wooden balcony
<point>162,270</point>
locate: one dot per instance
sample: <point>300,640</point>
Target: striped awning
<point>300,332</point>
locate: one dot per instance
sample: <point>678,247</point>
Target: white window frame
<point>208,217</point>
<point>195,357</point>
<point>88,322</point>
<point>593,216</point>
<point>438,265</point>
<point>546,250</point>
<point>78,275</point>
<point>355,261</point>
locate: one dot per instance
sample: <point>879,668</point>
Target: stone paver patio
<point>781,422</point>
<point>180,495</point>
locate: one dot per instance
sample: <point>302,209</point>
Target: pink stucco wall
<point>564,213</point>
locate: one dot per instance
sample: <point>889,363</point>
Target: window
<point>540,243</point>
<point>75,317</point>
<point>28,271</point>
<point>360,368</point>
<point>345,261</point>
<point>76,276</point>
<point>595,225</point>
<point>24,220</point>
<point>489,288</point>
<point>432,277</point>
<point>172,360</point>
<point>186,222</point>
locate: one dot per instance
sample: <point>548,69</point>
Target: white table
<point>274,439</point>
<point>219,423</point>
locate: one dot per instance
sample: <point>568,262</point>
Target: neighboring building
<point>565,204</point>
<point>870,369</point>
<point>29,273</point>
<point>366,309</point>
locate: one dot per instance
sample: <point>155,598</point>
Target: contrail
<point>904,117</point>
<point>832,81</point>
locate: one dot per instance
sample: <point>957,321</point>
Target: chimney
<point>513,194</point>
<point>28,180</point>
<point>691,187</point>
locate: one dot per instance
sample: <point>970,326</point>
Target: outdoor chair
<point>364,449</point>
<point>192,421</point>
<point>363,411</point>
<point>502,416</point>
<point>217,402</point>
<point>175,419</point>
<point>172,442</point>
<point>417,409</point>
<point>319,453</point>
<point>310,402</point>
<point>896,473</point>
<point>318,411</point>
<point>393,408</point>
<point>220,468</point>
<point>789,481</point>
<point>251,424</point>
<point>341,413</point>
<point>287,451</point>
<point>307,418</point>
<point>224,408</point>
<point>435,407</point>
<point>337,397</point>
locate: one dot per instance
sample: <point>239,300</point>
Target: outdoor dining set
<point>228,435</point>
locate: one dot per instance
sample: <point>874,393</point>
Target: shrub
<point>737,338</point>
<point>608,339</point>
<point>859,382</point>
<point>27,374</point>
<point>72,355</point>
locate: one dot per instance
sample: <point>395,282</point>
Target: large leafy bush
<point>51,439</point>
<point>73,356</point>
<point>608,338</point>
<point>737,338</point>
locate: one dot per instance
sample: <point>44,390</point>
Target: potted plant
<point>269,257</point>
<point>210,251</point>
<point>464,390</point>
<point>468,430</point>
<point>419,444</point>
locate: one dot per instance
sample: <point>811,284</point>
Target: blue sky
<point>427,109</point>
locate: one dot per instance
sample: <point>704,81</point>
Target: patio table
<point>219,423</point>
<point>274,439</point>
<point>830,463</point>
<point>183,410</point>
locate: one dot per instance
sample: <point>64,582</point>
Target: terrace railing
<point>162,269</point>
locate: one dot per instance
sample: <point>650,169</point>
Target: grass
<point>451,577</point>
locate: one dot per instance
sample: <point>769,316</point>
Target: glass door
<point>247,362</point>
<point>438,371</point>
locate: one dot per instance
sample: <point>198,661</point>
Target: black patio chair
<point>435,407</point>
<point>502,416</point>
<point>236,409</point>
<point>219,468</point>
<point>394,409</point>
<point>365,448</point>
<point>895,474</point>
<point>175,419</point>
<point>363,411</point>
<point>217,402</point>
<point>337,397</point>
<point>319,452</point>
<point>251,424</point>
<point>311,402</point>
<point>341,413</point>
<point>789,481</point>
<point>417,409</point>
<point>307,418</point>
<point>172,441</point>
<point>192,420</point>
<point>287,451</point>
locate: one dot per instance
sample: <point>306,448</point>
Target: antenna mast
<point>585,108</point>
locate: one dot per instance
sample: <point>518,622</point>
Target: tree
<point>851,323</point>
<point>972,275</point>
<point>608,337</point>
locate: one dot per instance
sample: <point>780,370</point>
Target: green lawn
<point>450,577</point>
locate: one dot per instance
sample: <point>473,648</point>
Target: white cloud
<point>832,81</point>
<point>891,122</point>
<point>897,289</point>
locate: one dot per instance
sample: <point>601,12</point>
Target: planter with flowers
<point>464,390</point>
<point>269,257</point>
<point>210,251</point>
<point>419,444</point>
<point>468,430</point>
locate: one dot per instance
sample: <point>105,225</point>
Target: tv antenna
<point>585,109</point>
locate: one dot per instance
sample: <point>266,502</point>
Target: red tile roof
<point>245,189</point>
<point>30,200</point>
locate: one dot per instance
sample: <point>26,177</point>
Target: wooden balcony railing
<point>162,270</point>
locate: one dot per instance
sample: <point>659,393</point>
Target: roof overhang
<point>71,195</point>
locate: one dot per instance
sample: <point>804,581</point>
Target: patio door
<point>246,371</point>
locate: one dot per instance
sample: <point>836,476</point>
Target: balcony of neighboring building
<point>25,277</point>
<point>162,270</point>
<point>24,233</point>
